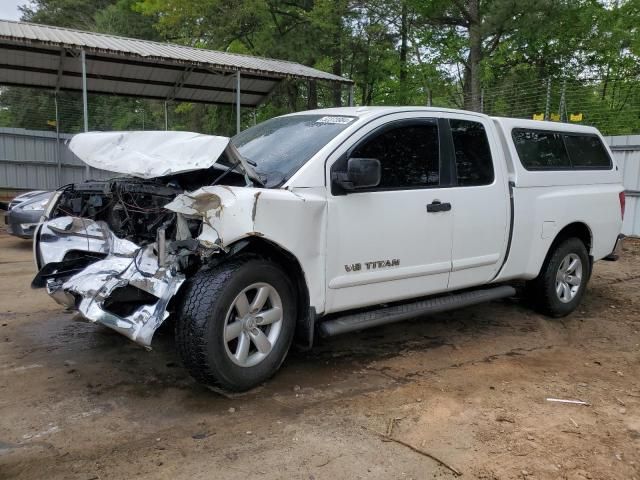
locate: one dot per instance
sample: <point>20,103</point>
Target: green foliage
<point>494,55</point>
<point>121,18</point>
<point>64,13</point>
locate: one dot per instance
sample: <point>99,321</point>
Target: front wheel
<point>236,323</point>
<point>559,288</point>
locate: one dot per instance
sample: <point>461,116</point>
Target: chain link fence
<point>36,124</point>
<point>34,109</point>
<point>611,105</point>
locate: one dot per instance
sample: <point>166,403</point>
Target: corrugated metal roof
<point>97,42</point>
<point>46,56</point>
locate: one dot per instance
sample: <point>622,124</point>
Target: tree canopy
<point>504,57</point>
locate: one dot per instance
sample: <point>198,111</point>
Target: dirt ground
<point>78,401</point>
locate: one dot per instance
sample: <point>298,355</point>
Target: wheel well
<point>576,229</point>
<point>290,264</point>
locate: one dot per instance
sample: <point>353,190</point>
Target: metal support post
<point>58,159</point>
<point>85,108</point>
<point>562,107</point>
<point>166,117</point>
<point>238,102</point>
<point>547,107</point>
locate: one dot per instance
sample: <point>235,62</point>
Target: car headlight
<point>37,205</point>
<point>53,201</point>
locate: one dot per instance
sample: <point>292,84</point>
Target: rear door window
<point>587,151</point>
<point>474,165</point>
<point>540,150</point>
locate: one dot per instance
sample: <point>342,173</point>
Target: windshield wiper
<point>247,165</point>
<point>262,177</point>
<point>224,174</point>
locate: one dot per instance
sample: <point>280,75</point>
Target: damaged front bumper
<point>108,280</point>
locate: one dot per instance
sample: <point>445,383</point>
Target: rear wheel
<point>236,323</point>
<point>559,288</point>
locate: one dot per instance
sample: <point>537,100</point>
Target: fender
<point>293,220</point>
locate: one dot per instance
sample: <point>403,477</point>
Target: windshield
<point>280,146</point>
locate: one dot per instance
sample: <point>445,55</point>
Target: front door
<point>393,241</point>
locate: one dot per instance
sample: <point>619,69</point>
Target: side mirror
<point>361,173</point>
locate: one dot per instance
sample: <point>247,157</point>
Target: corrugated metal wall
<point>29,161</point>
<point>626,149</point>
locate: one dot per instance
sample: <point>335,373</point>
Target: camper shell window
<point>554,150</point>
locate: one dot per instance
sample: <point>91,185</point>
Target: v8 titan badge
<point>356,267</point>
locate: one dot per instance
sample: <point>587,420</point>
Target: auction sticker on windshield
<point>336,120</point>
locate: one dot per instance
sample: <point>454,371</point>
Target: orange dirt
<point>78,401</point>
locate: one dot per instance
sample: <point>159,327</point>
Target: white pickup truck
<point>325,222</point>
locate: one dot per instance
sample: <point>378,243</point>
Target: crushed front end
<point>118,250</point>
<point>111,251</point>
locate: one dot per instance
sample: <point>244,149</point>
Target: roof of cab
<point>365,112</point>
<point>504,122</point>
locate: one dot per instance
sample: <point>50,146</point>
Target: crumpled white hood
<point>148,154</point>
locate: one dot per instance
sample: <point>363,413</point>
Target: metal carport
<point>56,58</point>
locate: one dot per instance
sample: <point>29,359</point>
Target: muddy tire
<point>236,323</point>
<point>559,288</point>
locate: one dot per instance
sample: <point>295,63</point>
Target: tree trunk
<point>339,10</point>
<point>312,100</point>
<point>292,96</point>
<point>369,99</point>
<point>404,34</point>
<point>472,70</point>
<point>336,69</point>
<point>466,88</point>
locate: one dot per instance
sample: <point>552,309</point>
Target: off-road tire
<point>200,324</point>
<point>542,290</point>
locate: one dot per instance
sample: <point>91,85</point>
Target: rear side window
<point>474,165</point>
<point>587,151</point>
<point>543,150</point>
<point>539,150</point>
<point>409,156</point>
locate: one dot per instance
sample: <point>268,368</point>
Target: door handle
<point>438,206</point>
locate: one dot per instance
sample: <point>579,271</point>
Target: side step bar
<point>397,313</point>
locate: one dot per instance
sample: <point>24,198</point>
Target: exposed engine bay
<point>133,208</point>
<point>113,251</point>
